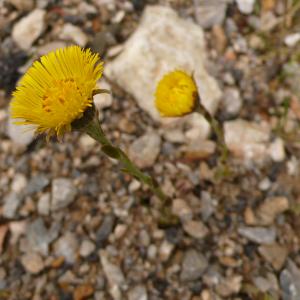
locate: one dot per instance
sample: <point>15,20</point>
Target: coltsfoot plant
<point>177,95</point>
<point>55,96</point>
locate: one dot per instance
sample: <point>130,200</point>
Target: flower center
<point>59,94</point>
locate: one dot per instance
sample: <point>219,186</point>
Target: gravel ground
<point>72,226</point>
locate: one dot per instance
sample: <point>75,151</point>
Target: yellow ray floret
<point>176,94</point>
<point>57,90</point>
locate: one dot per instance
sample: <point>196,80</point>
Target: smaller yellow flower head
<point>56,90</point>
<point>176,94</point>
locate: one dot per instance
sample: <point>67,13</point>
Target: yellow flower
<point>176,94</point>
<point>56,90</point>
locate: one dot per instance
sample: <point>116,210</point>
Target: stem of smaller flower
<point>94,130</point>
<point>217,128</point>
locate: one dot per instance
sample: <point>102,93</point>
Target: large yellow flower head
<point>176,94</point>
<point>56,90</point>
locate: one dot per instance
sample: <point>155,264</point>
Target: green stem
<point>223,169</point>
<point>94,130</point>
<point>214,123</point>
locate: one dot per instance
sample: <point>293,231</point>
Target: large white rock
<point>29,28</point>
<point>163,42</point>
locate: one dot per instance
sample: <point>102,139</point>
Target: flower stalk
<point>94,130</point>
<point>218,130</point>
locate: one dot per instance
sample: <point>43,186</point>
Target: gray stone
<point>290,282</point>
<point>39,237</point>
<point>144,150</point>
<point>208,205</point>
<point>29,28</point>
<point>36,184</point>
<point>11,204</point>
<point>258,235</point>
<point>63,193</point>
<point>232,101</point>
<point>67,246</point>
<point>139,292</point>
<point>193,266</point>
<point>157,47</point>
<point>210,12</point>
<point>144,238</point>
<point>105,229</point>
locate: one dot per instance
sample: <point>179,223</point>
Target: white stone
<point>44,204</point>
<point>198,128</point>
<point>232,101</point>
<point>210,12</point>
<point>19,183</point>
<point>112,272</point>
<point>247,140</point>
<point>196,229</point>
<point>134,185</point>
<point>292,39</point>
<point>165,250</point>
<point>63,193</point>
<point>32,262</point>
<point>163,42</point>
<point>260,235</point>
<point>21,135</point>
<point>86,142</point>
<point>74,33</point>
<point>181,209</point>
<point>265,184</point>
<point>104,100</point>
<point>86,248</point>
<point>138,293</point>
<point>67,246</point>
<point>29,28</point>
<point>144,150</point>
<point>245,6</point>
<point>268,21</point>
<point>277,151</point>
<point>11,204</point>
<point>51,46</point>
<point>120,231</point>
<point>187,129</point>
